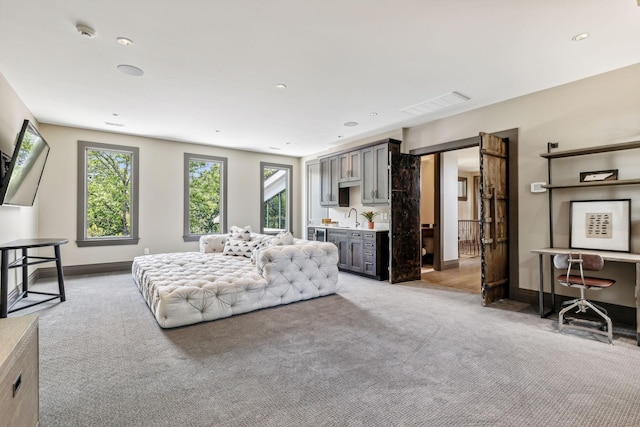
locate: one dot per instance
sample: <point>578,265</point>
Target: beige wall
<point>161,192</point>
<point>600,110</point>
<point>15,222</point>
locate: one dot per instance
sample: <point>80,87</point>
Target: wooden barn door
<point>493,218</point>
<point>404,226</point>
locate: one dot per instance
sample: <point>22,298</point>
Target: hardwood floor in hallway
<point>465,277</point>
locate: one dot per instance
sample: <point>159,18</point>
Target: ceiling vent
<point>435,104</point>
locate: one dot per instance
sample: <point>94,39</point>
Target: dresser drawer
<point>19,388</point>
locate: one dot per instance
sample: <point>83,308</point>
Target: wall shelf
<point>592,150</point>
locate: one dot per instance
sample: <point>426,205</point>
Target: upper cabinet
<point>330,193</point>
<point>349,168</point>
<point>366,166</point>
<point>375,172</point>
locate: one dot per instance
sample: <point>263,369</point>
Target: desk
<point>606,255</point>
<point>23,262</point>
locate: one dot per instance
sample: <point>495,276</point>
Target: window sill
<point>107,242</point>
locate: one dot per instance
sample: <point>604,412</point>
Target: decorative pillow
<point>282,238</point>
<point>261,243</point>
<point>241,233</point>
<point>213,243</point>
<point>239,247</point>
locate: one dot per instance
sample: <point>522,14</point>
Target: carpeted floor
<point>373,355</point>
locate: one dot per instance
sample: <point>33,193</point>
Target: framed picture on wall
<point>462,188</point>
<point>601,225</point>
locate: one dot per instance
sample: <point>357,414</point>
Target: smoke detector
<point>86,31</point>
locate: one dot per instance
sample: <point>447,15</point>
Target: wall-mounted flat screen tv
<point>22,173</point>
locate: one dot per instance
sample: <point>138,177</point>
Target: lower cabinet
<point>19,380</point>
<point>363,252</point>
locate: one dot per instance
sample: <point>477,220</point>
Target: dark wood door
<point>494,211</point>
<point>404,226</point>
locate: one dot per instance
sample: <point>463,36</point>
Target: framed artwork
<point>601,225</point>
<point>462,188</point>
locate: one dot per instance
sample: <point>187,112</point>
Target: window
<point>205,192</point>
<point>107,194</point>
<point>275,194</point>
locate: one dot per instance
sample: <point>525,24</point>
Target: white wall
<point>161,192</point>
<point>600,110</point>
<point>449,200</point>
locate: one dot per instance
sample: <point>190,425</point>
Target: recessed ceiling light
<point>114,124</point>
<point>85,31</point>
<point>130,70</point>
<point>124,41</point>
<point>351,124</point>
<point>281,86</point>
<point>275,148</point>
<point>373,114</point>
<point>580,36</point>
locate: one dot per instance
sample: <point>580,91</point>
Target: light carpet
<point>373,355</point>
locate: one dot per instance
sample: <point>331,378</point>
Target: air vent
<point>435,104</point>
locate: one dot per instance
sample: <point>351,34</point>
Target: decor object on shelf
<point>369,215</point>
<point>608,175</point>
<point>601,224</point>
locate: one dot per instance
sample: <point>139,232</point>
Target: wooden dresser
<point>19,377</point>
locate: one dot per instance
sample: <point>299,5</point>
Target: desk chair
<point>581,262</point>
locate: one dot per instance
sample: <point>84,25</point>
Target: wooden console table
<point>606,255</point>
<point>24,262</point>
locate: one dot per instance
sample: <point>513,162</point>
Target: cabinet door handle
<point>368,253</point>
<point>368,263</point>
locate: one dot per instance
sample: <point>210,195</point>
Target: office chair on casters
<point>581,262</point>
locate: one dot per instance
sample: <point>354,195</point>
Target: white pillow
<point>261,243</point>
<point>213,243</point>
<point>282,238</point>
<point>243,233</point>
<point>239,247</point>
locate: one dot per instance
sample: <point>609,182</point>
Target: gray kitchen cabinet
<point>365,252</point>
<point>349,168</point>
<point>330,193</point>
<point>375,172</point>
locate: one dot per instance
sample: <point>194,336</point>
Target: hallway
<point>465,277</point>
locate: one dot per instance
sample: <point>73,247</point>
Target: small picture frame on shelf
<point>608,175</point>
<point>601,225</point>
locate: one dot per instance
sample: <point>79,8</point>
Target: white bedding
<point>191,287</point>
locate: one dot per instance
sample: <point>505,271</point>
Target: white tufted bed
<point>191,287</point>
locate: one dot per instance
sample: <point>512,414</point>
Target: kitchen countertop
<point>383,227</point>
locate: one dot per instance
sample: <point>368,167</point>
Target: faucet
<point>349,216</point>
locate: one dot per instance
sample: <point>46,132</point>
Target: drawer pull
<point>368,253</point>
<point>16,384</point>
<point>368,263</point>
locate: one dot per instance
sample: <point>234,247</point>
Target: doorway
<point>507,216</point>
<point>457,262</point>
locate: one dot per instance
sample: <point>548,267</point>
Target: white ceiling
<point>211,66</point>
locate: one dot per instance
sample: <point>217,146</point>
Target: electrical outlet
<point>146,251</point>
<point>385,216</point>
